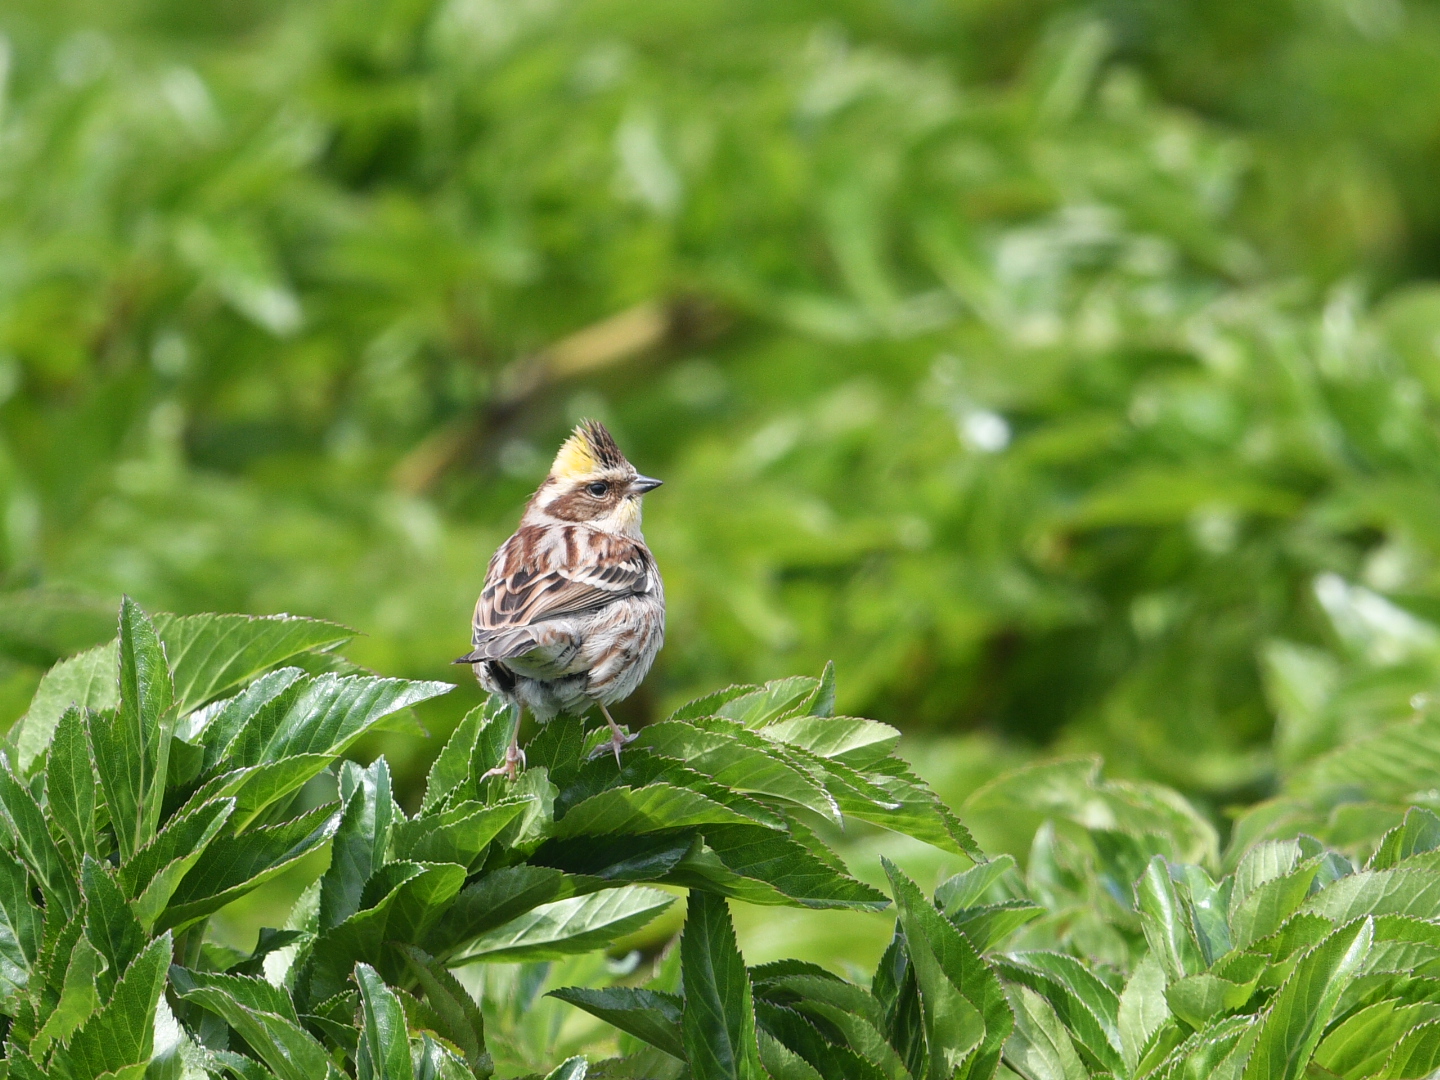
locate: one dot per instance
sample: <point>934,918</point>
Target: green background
<point>1067,373</point>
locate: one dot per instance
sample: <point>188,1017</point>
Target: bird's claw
<point>514,762</point>
<point>614,743</point>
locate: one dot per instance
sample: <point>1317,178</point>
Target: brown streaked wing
<point>542,573</point>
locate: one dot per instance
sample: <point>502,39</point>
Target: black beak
<point>641,484</point>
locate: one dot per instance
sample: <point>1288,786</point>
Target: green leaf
<point>1039,1047</point>
<point>565,927</point>
<point>970,888</point>
<point>451,768</point>
<point>1164,920</point>
<point>323,715</point>
<point>262,1015</point>
<point>209,654</point>
<point>233,865</point>
<point>1089,1009</point>
<point>989,926</point>
<point>458,835</point>
<point>1142,1009</point>
<point>360,841</point>
<point>384,1052</point>
<point>710,704</point>
<point>109,922</point>
<point>894,798</point>
<point>131,747</point>
<point>400,904</point>
<point>803,1038</point>
<point>121,1034</point>
<point>730,754</point>
<point>1199,999</point>
<point>34,844</point>
<point>21,926</point>
<point>1361,1044</point>
<point>649,1015</point>
<point>966,1017</point>
<point>492,901</point>
<point>86,681</point>
<point>151,876</point>
<point>752,863</point>
<point>848,1009</point>
<point>1416,1055</point>
<point>574,1068</point>
<point>1303,1007</point>
<point>1418,833</point>
<point>849,740</point>
<point>434,1061</point>
<point>458,1015</point>
<point>641,810</point>
<point>717,1025</point>
<point>257,787</point>
<point>70,783</point>
<point>1378,892</point>
<point>79,998</point>
<point>262,703</point>
<point>781,1062</point>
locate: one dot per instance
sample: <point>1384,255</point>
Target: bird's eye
<point>598,488</point>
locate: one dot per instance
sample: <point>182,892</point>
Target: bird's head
<point>591,483</point>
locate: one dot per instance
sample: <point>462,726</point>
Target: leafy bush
<point>133,810</point>
<point>975,363</point>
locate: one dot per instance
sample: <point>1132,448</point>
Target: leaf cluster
<point>159,778</point>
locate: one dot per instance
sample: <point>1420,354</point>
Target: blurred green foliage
<point>1061,370</point>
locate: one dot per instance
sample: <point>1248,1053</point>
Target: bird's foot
<point>514,762</point>
<point>617,739</point>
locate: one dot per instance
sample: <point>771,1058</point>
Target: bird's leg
<point>618,738</point>
<point>514,756</point>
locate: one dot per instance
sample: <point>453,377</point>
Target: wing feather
<point>543,573</point>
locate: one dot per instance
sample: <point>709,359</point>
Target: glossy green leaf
<point>734,756</point>
<point>86,681</point>
<point>264,1017</point>
<point>565,927</point>
<point>1361,1044</point>
<point>1039,1047</point>
<point>1087,1007</point>
<point>641,810</point>
<point>1378,892</point>
<point>451,767</point>
<point>458,835</point>
<point>384,1052</point>
<point>151,876</point>
<point>110,923</point>
<point>1165,922</point>
<point>231,866</point>
<point>34,844</point>
<point>210,654</point>
<point>457,1012</point>
<point>121,1034</point>
<point>400,904</point>
<point>70,784</point>
<point>967,1019</point>
<point>358,847</point>
<point>1142,1011</point>
<point>717,1027</point>
<point>1416,1055</point>
<point>1302,1008</point>
<point>649,1015</point>
<point>79,998</point>
<point>752,863</point>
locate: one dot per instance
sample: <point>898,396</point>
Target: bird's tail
<point>498,645</point>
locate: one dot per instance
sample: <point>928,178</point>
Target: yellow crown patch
<point>587,451</point>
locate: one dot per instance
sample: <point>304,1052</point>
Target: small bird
<point>573,609</point>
